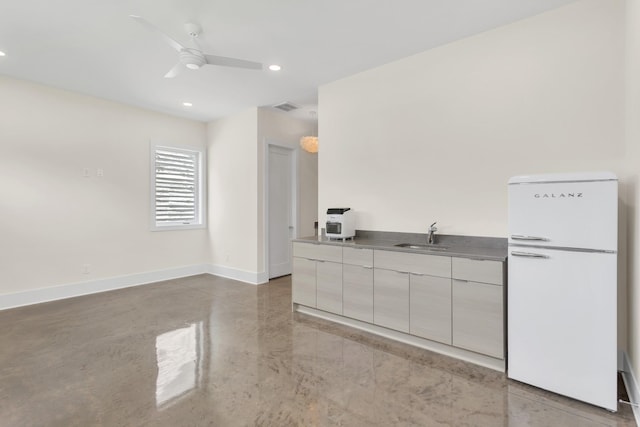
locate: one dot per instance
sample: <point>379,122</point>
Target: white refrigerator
<point>562,303</point>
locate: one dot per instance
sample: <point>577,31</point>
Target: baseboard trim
<point>37,296</point>
<point>630,382</point>
<point>54,293</point>
<point>250,277</point>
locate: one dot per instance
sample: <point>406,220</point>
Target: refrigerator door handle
<point>521,237</point>
<point>528,254</point>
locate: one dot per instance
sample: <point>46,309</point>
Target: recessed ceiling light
<point>275,67</point>
<point>2,53</point>
<point>187,104</point>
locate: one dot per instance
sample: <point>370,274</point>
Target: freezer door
<point>562,323</point>
<point>565,214</point>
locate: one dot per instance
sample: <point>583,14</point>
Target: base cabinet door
<point>329,286</point>
<point>304,282</point>
<point>478,323</point>
<point>357,288</point>
<point>430,308</point>
<point>391,299</point>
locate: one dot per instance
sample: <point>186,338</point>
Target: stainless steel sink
<point>423,247</point>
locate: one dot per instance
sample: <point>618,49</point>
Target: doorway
<point>281,208</point>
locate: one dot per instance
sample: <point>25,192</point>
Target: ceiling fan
<point>194,58</point>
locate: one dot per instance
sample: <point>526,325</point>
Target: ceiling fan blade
<point>177,69</point>
<point>148,25</point>
<point>232,62</point>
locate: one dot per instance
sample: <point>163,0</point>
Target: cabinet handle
<point>368,267</point>
<point>319,260</point>
<point>418,274</point>
<point>528,254</point>
<point>521,237</point>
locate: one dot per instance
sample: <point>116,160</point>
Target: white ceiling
<point>93,47</point>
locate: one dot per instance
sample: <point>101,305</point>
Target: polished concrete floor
<point>208,351</point>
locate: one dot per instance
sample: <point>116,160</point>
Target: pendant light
<point>310,143</point>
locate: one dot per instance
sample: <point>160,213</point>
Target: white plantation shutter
<point>176,187</point>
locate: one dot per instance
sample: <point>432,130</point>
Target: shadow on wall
<point>624,206</point>
<point>626,290</point>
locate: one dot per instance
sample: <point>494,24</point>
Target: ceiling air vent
<point>286,106</point>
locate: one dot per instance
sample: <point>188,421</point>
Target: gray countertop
<point>475,247</point>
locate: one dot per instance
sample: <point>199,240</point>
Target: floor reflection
<point>530,406</point>
<point>179,358</point>
<point>208,351</point>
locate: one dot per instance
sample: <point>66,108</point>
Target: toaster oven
<point>340,223</point>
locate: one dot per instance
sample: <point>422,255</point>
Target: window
<point>177,188</point>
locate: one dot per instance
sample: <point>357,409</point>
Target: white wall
<point>633,158</point>
<point>435,137</point>
<point>236,185</point>
<point>233,191</point>
<point>54,220</point>
<point>275,125</point>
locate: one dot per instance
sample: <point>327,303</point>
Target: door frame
<point>295,215</point>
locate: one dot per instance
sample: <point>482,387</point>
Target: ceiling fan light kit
<point>194,58</point>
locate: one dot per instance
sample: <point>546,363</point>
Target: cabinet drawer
<point>358,256</point>
<point>413,263</point>
<point>317,251</point>
<point>478,270</point>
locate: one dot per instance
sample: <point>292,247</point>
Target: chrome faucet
<point>430,234</point>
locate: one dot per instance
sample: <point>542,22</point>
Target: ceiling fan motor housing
<point>192,58</point>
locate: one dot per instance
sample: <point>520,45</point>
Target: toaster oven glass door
<point>334,227</point>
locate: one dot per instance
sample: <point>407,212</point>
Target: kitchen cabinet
<point>430,307</point>
<point>357,284</point>
<point>478,308</point>
<point>303,282</point>
<point>477,270</point>
<point>436,299</point>
<point>317,276</point>
<point>432,265</point>
<point>329,286</point>
<point>391,299</point>
<point>394,276</point>
<point>478,317</point>
<point>357,256</point>
<point>316,251</point>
